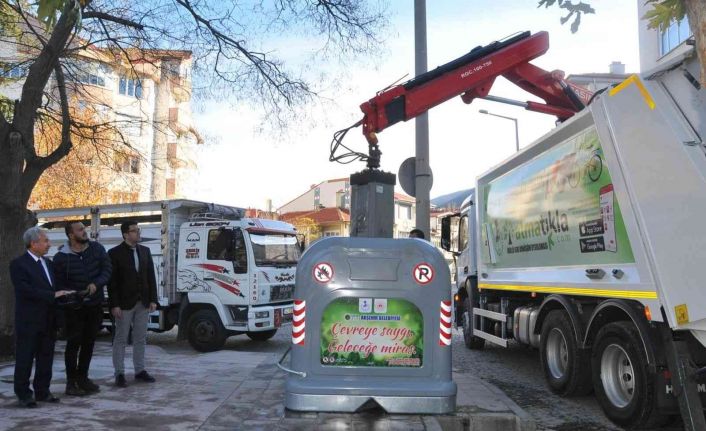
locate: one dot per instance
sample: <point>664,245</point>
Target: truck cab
<point>457,237</point>
<point>237,277</point>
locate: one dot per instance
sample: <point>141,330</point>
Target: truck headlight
<point>262,314</point>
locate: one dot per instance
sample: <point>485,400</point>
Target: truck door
<point>226,265</point>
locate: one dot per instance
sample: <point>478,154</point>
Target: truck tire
<point>624,387</point>
<point>261,335</point>
<point>566,367</point>
<point>205,331</point>
<point>471,341</point>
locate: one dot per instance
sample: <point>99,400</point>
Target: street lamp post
<point>517,135</point>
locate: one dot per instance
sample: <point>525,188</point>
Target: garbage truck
<point>218,272</point>
<point>589,243</point>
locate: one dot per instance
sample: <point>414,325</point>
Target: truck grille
<point>281,292</point>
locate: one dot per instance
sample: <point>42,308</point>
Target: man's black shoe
<point>28,403</point>
<point>48,398</point>
<point>144,376</point>
<point>73,389</point>
<point>120,381</point>
<point>87,385</point>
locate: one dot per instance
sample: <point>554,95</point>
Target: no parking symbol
<point>423,273</point>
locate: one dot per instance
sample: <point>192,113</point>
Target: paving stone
<point>228,390</point>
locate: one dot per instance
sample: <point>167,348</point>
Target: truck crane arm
<point>472,76</point>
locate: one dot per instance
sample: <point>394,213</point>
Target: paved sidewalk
<point>229,390</point>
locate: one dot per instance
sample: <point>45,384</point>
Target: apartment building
<point>148,101</point>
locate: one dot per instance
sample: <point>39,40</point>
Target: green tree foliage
<point>574,10</point>
<point>664,12</point>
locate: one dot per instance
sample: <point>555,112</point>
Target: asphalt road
<point>515,370</point>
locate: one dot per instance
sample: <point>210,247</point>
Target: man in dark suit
<point>132,295</point>
<point>35,297</point>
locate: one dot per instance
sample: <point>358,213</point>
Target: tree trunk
<point>10,247</point>
<point>20,168</point>
<point>696,13</point>
<point>13,222</point>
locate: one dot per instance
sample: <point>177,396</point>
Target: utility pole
<point>422,180</point>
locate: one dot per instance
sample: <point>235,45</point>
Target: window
<point>14,71</point>
<point>317,198</point>
<point>219,244</point>
<point>332,233</point>
<point>134,165</point>
<point>463,233</point>
<point>347,195</point>
<point>273,249</point>
<point>123,197</point>
<point>677,33</point>
<point>91,79</point>
<point>130,87</point>
<point>126,163</point>
<point>404,212</point>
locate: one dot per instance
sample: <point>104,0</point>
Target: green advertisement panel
<point>557,209</point>
<point>372,332</point>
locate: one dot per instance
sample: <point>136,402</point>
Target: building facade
<point>659,47</point>
<point>594,82</point>
<point>321,199</point>
<point>147,102</point>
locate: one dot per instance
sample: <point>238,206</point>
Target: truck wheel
<point>471,341</point>
<point>261,335</point>
<point>206,333</point>
<point>566,367</point>
<point>624,387</point>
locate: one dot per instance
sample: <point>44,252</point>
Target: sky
<point>244,167</point>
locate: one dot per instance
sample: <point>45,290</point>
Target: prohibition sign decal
<point>423,273</point>
<point>323,272</point>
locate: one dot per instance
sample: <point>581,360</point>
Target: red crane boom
<point>472,76</point>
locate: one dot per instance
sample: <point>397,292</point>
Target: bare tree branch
<point>267,70</point>
<point>36,166</point>
<point>115,19</point>
<point>65,145</point>
<point>40,70</point>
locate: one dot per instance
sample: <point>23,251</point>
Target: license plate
<point>278,293</point>
<point>278,318</point>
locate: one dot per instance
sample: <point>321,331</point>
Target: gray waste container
<point>372,323</point>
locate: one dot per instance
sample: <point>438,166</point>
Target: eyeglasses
<point>138,230</point>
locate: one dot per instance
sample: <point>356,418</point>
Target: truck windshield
<point>274,249</point>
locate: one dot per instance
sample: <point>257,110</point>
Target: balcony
<point>179,120</point>
<point>181,88</point>
<point>173,156</point>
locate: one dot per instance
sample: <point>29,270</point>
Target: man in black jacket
<point>132,295</point>
<point>35,296</point>
<point>83,266</point>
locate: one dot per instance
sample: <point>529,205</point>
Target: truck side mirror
<point>446,233</point>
